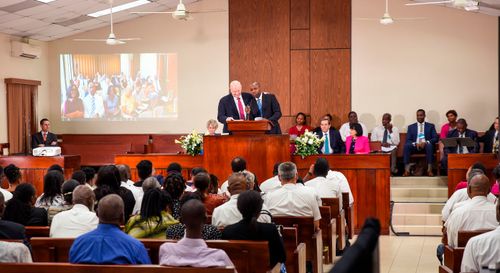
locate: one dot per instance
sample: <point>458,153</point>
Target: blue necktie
<point>259,103</point>
<point>327,144</point>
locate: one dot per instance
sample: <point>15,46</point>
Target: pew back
<point>339,214</point>
<point>295,252</point>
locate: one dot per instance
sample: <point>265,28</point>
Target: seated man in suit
<point>268,107</point>
<point>235,106</point>
<point>421,137</point>
<point>332,144</point>
<point>460,131</point>
<point>482,250</point>
<point>44,137</point>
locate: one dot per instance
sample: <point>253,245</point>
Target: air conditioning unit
<point>20,49</point>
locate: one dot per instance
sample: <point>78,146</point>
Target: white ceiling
<point>62,18</point>
<point>490,7</point>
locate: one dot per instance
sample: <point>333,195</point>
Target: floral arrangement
<point>192,143</point>
<point>308,144</point>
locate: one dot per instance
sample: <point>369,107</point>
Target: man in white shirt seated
<point>6,194</point>
<point>476,213</point>
<point>462,195</point>
<point>228,213</point>
<point>271,183</point>
<point>11,252</point>
<point>388,135</point>
<point>293,199</point>
<point>482,250</point>
<point>78,220</point>
<point>345,130</point>
<point>344,184</point>
<point>129,184</point>
<point>324,187</point>
<point>238,164</point>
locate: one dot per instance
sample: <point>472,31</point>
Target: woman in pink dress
<point>298,130</point>
<point>356,143</point>
<point>451,115</point>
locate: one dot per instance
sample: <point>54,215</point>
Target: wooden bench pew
<point>329,233</point>
<point>348,214</point>
<point>453,255</point>
<point>307,235</point>
<point>84,268</point>
<point>339,214</point>
<point>37,231</point>
<point>295,251</point>
<point>247,256</point>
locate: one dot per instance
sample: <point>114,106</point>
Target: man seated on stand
<point>421,137</point>
<point>388,135</point>
<point>268,107</point>
<point>460,131</point>
<point>44,138</point>
<point>345,129</point>
<point>235,105</point>
<point>333,144</point>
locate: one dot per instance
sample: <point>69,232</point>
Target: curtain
<point>21,109</point>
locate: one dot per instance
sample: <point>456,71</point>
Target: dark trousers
<point>410,149</point>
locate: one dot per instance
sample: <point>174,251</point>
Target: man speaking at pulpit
<point>44,138</point>
<point>235,106</point>
<point>268,107</point>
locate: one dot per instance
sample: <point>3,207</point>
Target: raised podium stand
<point>249,127</point>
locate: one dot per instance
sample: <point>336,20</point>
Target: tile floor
<point>407,254</point>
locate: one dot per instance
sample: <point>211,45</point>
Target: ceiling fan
<point>180,13</point>
<point>386,19</point>
<point>468,5</point>
<point>111,40</point>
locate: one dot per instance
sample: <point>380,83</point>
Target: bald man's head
<point>236,183</point>
<point>84,195</point>
<point>479,185</point>
<point>193,214</point>
<point>110,210</point>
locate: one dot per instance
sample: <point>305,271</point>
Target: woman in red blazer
<point>356,143</point>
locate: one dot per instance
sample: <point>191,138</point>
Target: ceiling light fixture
<point>45,1</point>
<point>119,8</point>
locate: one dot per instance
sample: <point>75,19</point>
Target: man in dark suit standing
<point>10,230</point>
<point>267,107</point>
<point>421,137</point>
<point>234,106</point>
<point>44,138</point>
<point>333,143</point>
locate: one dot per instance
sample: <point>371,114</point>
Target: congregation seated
<point>192,250</point>
<point>67,189</point>
<point>79,219</point>
<point>293,199</point>
<point>271,183</point>
<point>108,244</point>
<point>7,195</point>
<point>482,250</point>
<point>476,213</point>
<point>190,187</point>
<point>463,184</point>
<point>144,170</point>
<point>344,184</point>
<point>13,175</point>
<point>109,182</point>
<point>8,229</point>
<point>356,142</point>
<point>490,139</point>
<point>345,129</point>
<point>175,186</point>
<point>14,252</point>
<point>90,177</point>
<point>79,176</point>
<point>20,208</point>
<point>129,184</point>
<point>51,196</point>
<point>228,213</point>
<point>201,182</point>
<point>177,231</point>
<point>238,164</point>
<point>298,129</point>
<point>421,137</point>
<point>56,167</point>
<point>324,187</point>
<point>154,218</point>
<point>388,136</point>
<point>250,205</point>
<point>332,143</point>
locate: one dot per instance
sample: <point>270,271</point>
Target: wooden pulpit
<point>249,127</point>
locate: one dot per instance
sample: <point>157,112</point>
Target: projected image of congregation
<point>118,86</point>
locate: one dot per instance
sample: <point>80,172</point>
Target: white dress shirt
<point>270,184</point>
<point>223,187</point>
<point>11,252</point>
<point>228,213</point>
<point>392,138</point>
<point>293,200</point>
<point>326,188</point>
<point>344,184</point>
<point>99,106</point>
<point>457,197</point>
<point>6,194</point>
<point>465,150</point>
<point>345,131</point>
<point>481,250</point>
<point>478,213</point>
<point>137,192</point>
<point>242,103</point>
<point>74,222</point>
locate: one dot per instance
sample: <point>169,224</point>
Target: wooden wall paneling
<point>299,39</point>
<point>259,46</point>
<point>330,24</point>
<point>300,91</point>
<point>299,14</point>
<point>331,84</point>
<point>382,203</point>
<point>459,163</point>
<point>286,122</point>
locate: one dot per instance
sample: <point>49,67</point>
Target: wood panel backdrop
<point>300,50</point>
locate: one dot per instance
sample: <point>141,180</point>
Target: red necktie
<point>240,108</point>
<point>44,137</point>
